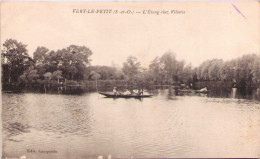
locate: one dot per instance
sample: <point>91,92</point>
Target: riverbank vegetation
<point>72,66</point>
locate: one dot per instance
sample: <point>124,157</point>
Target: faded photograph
<point>105,80</point>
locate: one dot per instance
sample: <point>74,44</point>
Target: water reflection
<point>166,125</point>
<point>216,91</point>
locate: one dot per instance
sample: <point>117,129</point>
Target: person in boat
<point>136,91</point>
<point>191,86</point>
<point>114,91</point>
<point>203,89</point>
<point>127,92</point>
<point>141,91</point>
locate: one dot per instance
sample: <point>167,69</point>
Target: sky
<point>207,30</point>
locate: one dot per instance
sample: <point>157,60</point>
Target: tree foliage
<point>131,68</point>
<point>105,72</point>
<point>167,69</point>
<point>69,63</point>
<point>15,60</point>
<point>243,68</point>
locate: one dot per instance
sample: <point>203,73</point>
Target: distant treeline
<point>71,66</point>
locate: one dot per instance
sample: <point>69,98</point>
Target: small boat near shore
<point>193,91</point>
<point>111,95</point>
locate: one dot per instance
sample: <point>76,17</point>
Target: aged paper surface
<point>181,79</point>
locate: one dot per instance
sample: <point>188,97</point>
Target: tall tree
<point>169,66</point>
<point>187,75</point>
<point>155,70</point>
<point>73,61</point>
<point>15,60</point>
<point>131,68</point>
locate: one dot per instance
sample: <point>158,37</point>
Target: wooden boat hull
<point>185,91</point>
<point>109,95</point>
<point>197,91</point>
<point>192,91</point>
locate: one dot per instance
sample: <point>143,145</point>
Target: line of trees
<point>166,69</point>
<point>245,68</point>
<point>46,66</point>
<point>71,65</point>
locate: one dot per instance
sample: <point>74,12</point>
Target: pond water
<point>88,125</point>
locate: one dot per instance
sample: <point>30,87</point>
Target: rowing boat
<point>111,95</point>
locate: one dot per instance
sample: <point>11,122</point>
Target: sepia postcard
<point>130,79</point>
